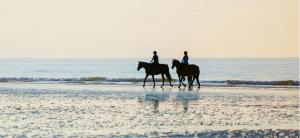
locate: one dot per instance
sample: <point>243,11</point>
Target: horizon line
<point>124,57</point>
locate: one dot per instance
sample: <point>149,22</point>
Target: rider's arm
<point>151,60</point>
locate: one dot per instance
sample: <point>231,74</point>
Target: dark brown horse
<point>191,71</point>
<point>152,69</point>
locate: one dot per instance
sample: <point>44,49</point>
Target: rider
<point>154,60</point>
<point>185,59</point>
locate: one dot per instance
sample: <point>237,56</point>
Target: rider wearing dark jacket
<point>185,59</point>
<point>154,60</point>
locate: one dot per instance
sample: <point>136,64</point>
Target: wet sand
<point>47,110</point>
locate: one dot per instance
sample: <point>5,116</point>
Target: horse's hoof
<point>171,85</point>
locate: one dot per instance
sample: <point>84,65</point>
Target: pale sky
<point>134,28</point>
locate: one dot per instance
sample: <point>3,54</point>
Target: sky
<point>134,28</point>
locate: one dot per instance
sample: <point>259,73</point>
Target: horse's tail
<point>198,71</point>
<point>168,74</point>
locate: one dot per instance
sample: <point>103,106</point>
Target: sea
<point>213,71</point>
<point>239,97</point>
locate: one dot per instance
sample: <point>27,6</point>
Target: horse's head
<point>140,65</point>
<point>175,63</point>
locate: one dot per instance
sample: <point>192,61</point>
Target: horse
<point>191,71</point>
<point>152,69</point>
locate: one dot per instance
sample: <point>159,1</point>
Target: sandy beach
<point>63,110</point>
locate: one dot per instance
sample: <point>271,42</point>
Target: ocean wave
<point>83,79</point>
<point>137,80</point>
<point>280,82</point>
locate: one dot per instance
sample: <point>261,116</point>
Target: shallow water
<point>125,110</point>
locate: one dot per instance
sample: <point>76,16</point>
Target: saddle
<point>157,67</point>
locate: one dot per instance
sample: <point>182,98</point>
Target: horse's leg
<point>145,79</point>
<point>153,81</point>
<point>182,81</point>
<point>179,79</point>
<point>190,81</point>
<point>163,79</point>
<point>197,78</point>
<point>193,80</point>
<point>170,82</point>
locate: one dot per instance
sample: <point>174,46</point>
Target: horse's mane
<point>176,60</point>
<point>143,62</point>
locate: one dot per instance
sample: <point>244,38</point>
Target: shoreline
<point>158,84</point>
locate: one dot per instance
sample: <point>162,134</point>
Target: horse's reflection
<point>155,98</point>
<point>186,97</point>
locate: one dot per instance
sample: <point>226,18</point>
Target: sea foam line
<point>136,80</point>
